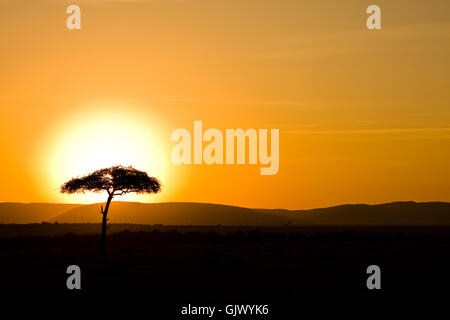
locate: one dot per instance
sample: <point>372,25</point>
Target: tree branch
<point>122,192</point>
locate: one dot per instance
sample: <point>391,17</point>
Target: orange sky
<point>364,116</point>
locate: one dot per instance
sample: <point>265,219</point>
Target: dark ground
<point>278,266</point>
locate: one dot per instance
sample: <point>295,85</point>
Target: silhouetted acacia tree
<point>116,181</point>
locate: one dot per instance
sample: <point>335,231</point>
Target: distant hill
<point>175,213</point>
<point>185,213</point>
<point>31,212</point>
<point>395,213</point>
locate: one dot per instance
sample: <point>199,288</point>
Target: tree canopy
<point>116,181</point>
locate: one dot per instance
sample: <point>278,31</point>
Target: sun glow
<point>96,140</point>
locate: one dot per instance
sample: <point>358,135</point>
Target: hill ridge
<point>199,213</point>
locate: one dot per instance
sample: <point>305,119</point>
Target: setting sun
<point>95,140</point>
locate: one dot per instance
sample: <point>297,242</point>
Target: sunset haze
<point>363,115</point>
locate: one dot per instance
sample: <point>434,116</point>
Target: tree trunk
<point>104,221</point>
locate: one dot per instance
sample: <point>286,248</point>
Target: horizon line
<point>230,205</point>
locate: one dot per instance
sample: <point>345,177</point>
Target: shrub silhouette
<point>116,181</point>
